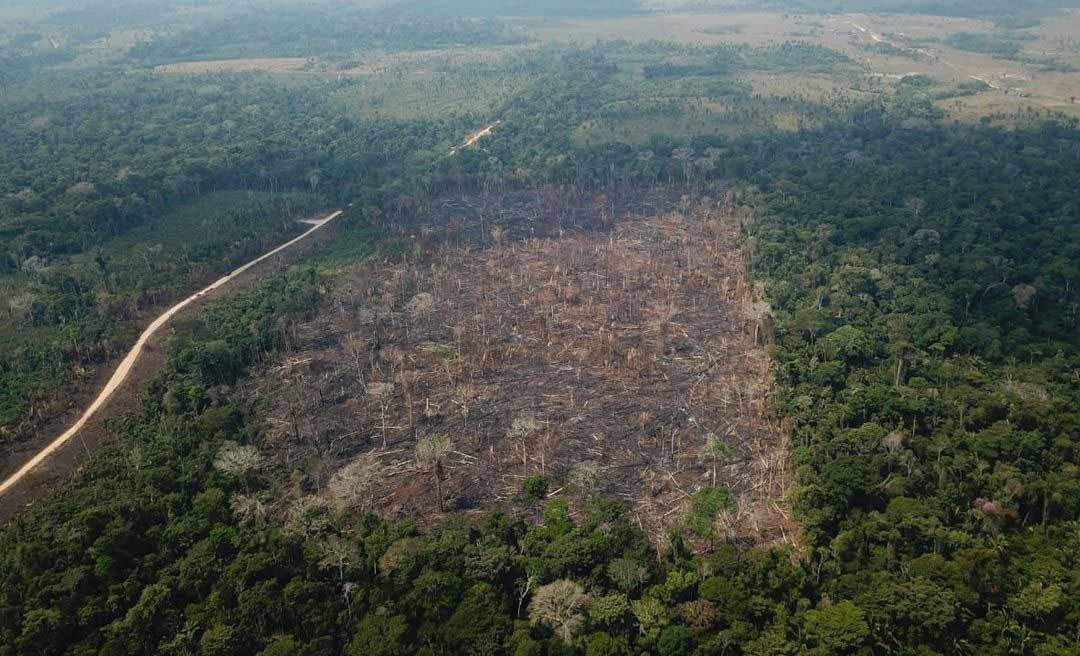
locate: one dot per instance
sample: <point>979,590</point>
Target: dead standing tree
<point>352,485</point>
<point>597,335</point>
<point>430,453</point>
<point>383,395</point>
<point>521,430</point>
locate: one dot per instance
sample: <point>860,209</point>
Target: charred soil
<point>613,356</point>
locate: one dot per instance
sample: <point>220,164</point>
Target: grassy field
<point>255,65</point>
<point>401,86</point>
<point>691,117</point>
<point>1038,73</point>
<point>1014,83</point>
<point>884,50</point>
<point>758,28</point>
<point>432,85</point>
<point>887,47</point>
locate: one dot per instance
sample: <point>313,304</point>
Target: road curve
<point>472,139</point>
<point>121,373</point>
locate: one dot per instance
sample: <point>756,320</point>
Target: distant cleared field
<point>1014,83</point>
<point>363,64</point>
<point>425,84</point>
<point>432,84</point>
<point>813,88</point>
<point>261,64</point>
<point>693,117</point>
<point>756,28</point>
<point>428,94</point>
<point>889,47</point>
<point>885,50</point>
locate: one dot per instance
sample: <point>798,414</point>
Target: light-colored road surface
<point>986,82</point>
<point>121,373</point>
<point>873,35</point>
<point>474,138</point>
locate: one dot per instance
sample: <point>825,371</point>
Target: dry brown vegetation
<point>260,64</point>
<point>370,64</point>
<point>918,47</point>
<point>616,361</point>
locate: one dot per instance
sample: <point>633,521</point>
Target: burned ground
<point>616,360</point>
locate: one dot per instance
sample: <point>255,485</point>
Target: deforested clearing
<point>258,64</point>
<point>621,360</point>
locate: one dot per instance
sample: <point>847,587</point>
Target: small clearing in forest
<point>253,65</point>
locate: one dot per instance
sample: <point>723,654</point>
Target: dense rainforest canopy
<point>925,336</point>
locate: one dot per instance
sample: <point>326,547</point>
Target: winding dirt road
<point>128,363</point>
<point>472,139</point>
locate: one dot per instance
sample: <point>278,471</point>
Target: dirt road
<point>124,370</point>
<point>474,138</point>
<point>986,82</point>
<point>873,35</point>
